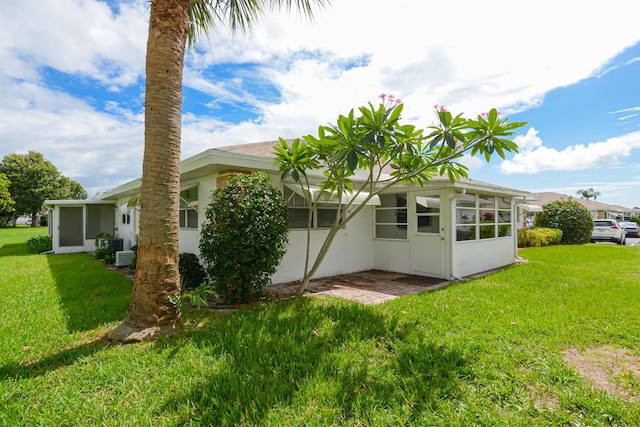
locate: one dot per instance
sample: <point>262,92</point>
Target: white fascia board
<point>126,189</point>
<point>227,159</point>
<point>51,203</point>
<point>530,208</point>
<point>490,188</point>
<point>205,161</point>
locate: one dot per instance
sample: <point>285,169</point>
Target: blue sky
<point>72,83</point>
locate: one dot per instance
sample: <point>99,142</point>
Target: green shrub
<point>539,236</point>
<point>196,298</point>
<point>192,273</point>
<point>571,217</point>
<point>244,236</point>
<point>39,244</point>
<point>105,254</point>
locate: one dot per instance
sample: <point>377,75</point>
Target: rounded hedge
<point>571,217</point>
<point>244,236</point>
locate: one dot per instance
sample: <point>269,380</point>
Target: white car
<point>607,230</point>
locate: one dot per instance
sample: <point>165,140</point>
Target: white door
<point>428,237</point>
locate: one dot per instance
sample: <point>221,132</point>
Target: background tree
<point>571,217</point>
<point>6,202</point>
<point>69,189</point>
<point>171,24</point>
<point>589,193</point>
<point>34,179</point>
<point>376,140</point>
<point>244,236</point>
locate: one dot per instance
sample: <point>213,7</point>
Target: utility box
<point>124,258</point>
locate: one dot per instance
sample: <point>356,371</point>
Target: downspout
<point>50,226</point>
<point>517,219</point>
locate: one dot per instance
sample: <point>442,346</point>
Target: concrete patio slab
<point>366,287</point>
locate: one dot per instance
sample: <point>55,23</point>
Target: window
<point>487,207</point>
<point>126,219</point>
<point>323,217</point>
<point>466,217</point>
<point>189,208</point>
<point>391,217</point>
<point>480,216</point>
<point>428,214</point>
<point>504,216</point>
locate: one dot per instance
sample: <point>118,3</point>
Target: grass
<point>484,352</point>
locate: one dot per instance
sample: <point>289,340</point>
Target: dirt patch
<point>610,369</point>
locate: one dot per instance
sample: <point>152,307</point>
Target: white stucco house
<point>444,230</point>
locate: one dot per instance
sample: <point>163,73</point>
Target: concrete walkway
<point>366,287</point>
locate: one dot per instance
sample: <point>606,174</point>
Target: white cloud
<point>534,157</point>
<point>76,37</point>
<point>509,61</point>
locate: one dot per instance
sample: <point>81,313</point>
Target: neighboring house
<point>598,209</point>
<point>445,230</point>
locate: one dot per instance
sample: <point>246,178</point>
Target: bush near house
<point>244,236</point>
<point>105,254</point>
<point>39,244</point>
<point>536,237</point>
<point>571,217</point>
<point>192,273</point>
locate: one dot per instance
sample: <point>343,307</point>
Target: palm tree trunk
<point>157,278</point>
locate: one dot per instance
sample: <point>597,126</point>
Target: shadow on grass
<point>60,359</point>
<point>90,294</point>
<point>344,358</point>
<point>14,249</point>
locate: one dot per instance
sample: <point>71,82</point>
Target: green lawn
<point>493,351</point>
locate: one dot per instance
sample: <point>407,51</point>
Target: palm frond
<point>239,15</point>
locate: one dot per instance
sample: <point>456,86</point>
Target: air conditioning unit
<point>124,258</point>
<point>111,243</point>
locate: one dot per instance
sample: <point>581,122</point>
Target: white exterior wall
<point>126,232</point>
<point>392,255</point>
<point>351,251</point>
<point>478,256</point>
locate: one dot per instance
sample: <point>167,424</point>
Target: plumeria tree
<point>364,154</point>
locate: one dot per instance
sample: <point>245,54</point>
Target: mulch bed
<point>124,271</point>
